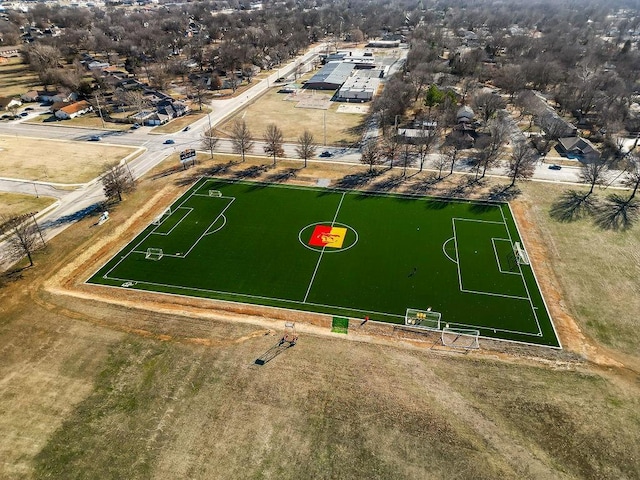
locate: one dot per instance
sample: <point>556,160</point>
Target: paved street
<point>74,204</point>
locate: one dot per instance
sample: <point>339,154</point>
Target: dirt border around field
<point>579,350</point>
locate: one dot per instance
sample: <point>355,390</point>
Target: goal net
<point>422,318</point>
<point>464,338</point>
<point>215,193</point>
<point>160,218</point>
<point>521,255</point>
<point>153,254</point>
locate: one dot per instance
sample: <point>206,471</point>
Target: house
<point>545,116</point>
<point>30,96</point>
<point>6,103</point>
<point>578,147</point>
<point>96,65</point>
<point>54,97</point>
<point>73,110</point>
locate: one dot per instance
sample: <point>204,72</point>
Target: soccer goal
<point>153,254</point>
<point>160,218</point>
<point>215,193</point>
<point>422,318</point>
<point>521,255</point>
<point>463,338</point>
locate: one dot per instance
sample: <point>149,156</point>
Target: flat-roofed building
<point>331,76</point>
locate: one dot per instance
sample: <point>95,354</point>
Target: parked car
<point>24,114</point>
<point>169,141</point>
<point>555,167</point>
<point>95,138</point>
<point>28,109</point>
<point>326,154</point>
<point>135,126</point>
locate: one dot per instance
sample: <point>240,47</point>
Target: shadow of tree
<point>573,205</point>
<point>251,172</point>
<point>282,175</point>
<point>617,213</point>
<point>424,185</point>
<point>76,216</point>
<point>388,183</point>
<point>503,193</point>
<point>356,180</point>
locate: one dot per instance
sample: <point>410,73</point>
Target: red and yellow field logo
<point>327,236</point>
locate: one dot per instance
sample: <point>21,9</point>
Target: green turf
<point>399,252</point>
<point>340,325</point>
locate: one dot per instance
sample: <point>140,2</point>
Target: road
<point>73,205</point>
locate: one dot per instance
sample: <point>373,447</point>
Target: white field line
<point>445,251</point>
<point>526,287</point>
<point>313,277</point>
<point>336,307</point>
<point>495,251</point>
<point>261,297</point>
<point>535,277</point>
<point>189,210</point>
<point>153,230</point>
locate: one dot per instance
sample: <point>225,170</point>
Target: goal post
<point>422,318</point>
<point>215,193</point>
<point>520,253</point>
<point>160,218</point>
<point>463,338</point>
<point>154,254</point>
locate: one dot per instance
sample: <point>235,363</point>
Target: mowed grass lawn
<point>54,160</point>
<point>394,253</point>
<point>272,107</point>
<point>12,204</point>
<point>16,78</point>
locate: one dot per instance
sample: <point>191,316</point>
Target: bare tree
<point>370,155</point>
<point>234,81</point>
<point>440,162</point>
<point>117,180</point>
<point>452,152</point>
<point>273,138</point>
<point>199,92</point>
<point>488,104</point>
<point>491,147</point>
<point>208,140</point>
<point>390,147</point>
<point>632,176</point>
<point>306,146</point>
<point>23,236</point>
<point>521,162</point>
<point>594,173</point>
<point>241,138</point>
<point>407,158</point>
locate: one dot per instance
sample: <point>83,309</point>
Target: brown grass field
<point>342,128</point>
<point>56,161</point>
<point>99,384</point>
<point>13,204</point>
<point>16,78</point>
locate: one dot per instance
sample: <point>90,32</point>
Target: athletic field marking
<point>188,209</point>
<point>535,278</point>
<point>313,277</point>
<point>516,297</point>
<point>478,221</point>
<point>444,250</point>
<point>352,309</point>
<point>337,250</point>
<point>220,227</point>
<point>262,297</point>
<point>495,250</point>
<point>134,249</point>
<point>524,281</point>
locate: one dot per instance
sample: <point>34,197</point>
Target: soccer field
<point>345,253</point>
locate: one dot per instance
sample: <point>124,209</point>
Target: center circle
<point>343,233</point>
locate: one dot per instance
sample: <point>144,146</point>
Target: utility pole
<point>99,109</point>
